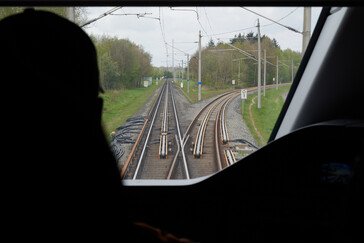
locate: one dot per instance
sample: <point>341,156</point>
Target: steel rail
<point>185,137</point>
<point>132,153</point>
<point>217,143</point>
<point>223,127</point>
<point>126,165</point>
<point>169,176</point>
<point>197,152</point>
<point>163,146</point>
<point>165,115</point>
<point>163,151</point>
<point>150,129</point>
<point>229,156</point>
<point>179,136</point>
<point>225,136</point>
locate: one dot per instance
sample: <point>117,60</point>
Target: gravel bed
<point>235,122</point>
<point>187,111</point>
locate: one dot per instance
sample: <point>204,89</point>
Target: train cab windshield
<point>214,123</point>
<point>189,91</point>
<point>192,90</point>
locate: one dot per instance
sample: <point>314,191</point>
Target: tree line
<point>80,12</point>
<point>220,62</point>
<point>122,63</point>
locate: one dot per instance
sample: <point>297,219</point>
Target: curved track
<point>161,152</point>
<point>203,142</point>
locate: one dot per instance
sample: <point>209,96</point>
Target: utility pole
<point>167,58</point>
<point>188,73</point>
<point>182,72</point>
<point>167,63</point>
<point>199,65</point>
<point>70,13</point>
<point>239,73</point>
<point>277,75</point>
<point>306,33</point>
<point>259,68</point>
<point>173,60</point>
<point>265,70</point>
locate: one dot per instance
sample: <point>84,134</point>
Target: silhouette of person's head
<point>61,168</point>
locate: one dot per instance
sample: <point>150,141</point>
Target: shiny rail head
<point>229,156</point>
<point>163,147</point>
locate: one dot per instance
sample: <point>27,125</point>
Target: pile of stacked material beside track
<point>124,135</point>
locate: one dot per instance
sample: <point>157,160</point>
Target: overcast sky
<point>183,27</point>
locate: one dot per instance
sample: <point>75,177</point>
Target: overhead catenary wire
<point>252,27</point>
<point>285,26</point>
<point>163,33</point>
<point>101,16</point>
<point>208,21</point>
<point>265,25</point>
<point>198,17</point>
<point>203,29</point>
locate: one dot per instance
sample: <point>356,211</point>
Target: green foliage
<point>168,74</point>
<point>109,73</point>
<point>211,43</point>
<point>122,63</point>
<point>265,117</point>
<point>80,12</point>
<point>119,105</point>
<point>7,11</point>
<point>220,66</point>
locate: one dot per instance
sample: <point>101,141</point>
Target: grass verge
<point>265,117</point>
<point>119,105</point>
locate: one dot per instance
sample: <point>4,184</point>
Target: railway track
<point>204,150</point>
<point>158,146</point>
<point>161,152</point>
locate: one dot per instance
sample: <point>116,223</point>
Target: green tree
<point>122,63</point>
<point>168,74</point>
<point>219,67</point>
<point>211,43</point>
<point>7,11</point>
<point>80,12</point>
<point>109,75</point>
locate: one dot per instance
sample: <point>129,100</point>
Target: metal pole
<point>167,59</point>
<point>182,73</point>
<point>173,60</point>
<point>306,33</point>
<point>259,68</point>
<point>188,73</point>
<point>199,65</point>
<point>265,70</point>
<point>239,73</point>
<point>277,75</point>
